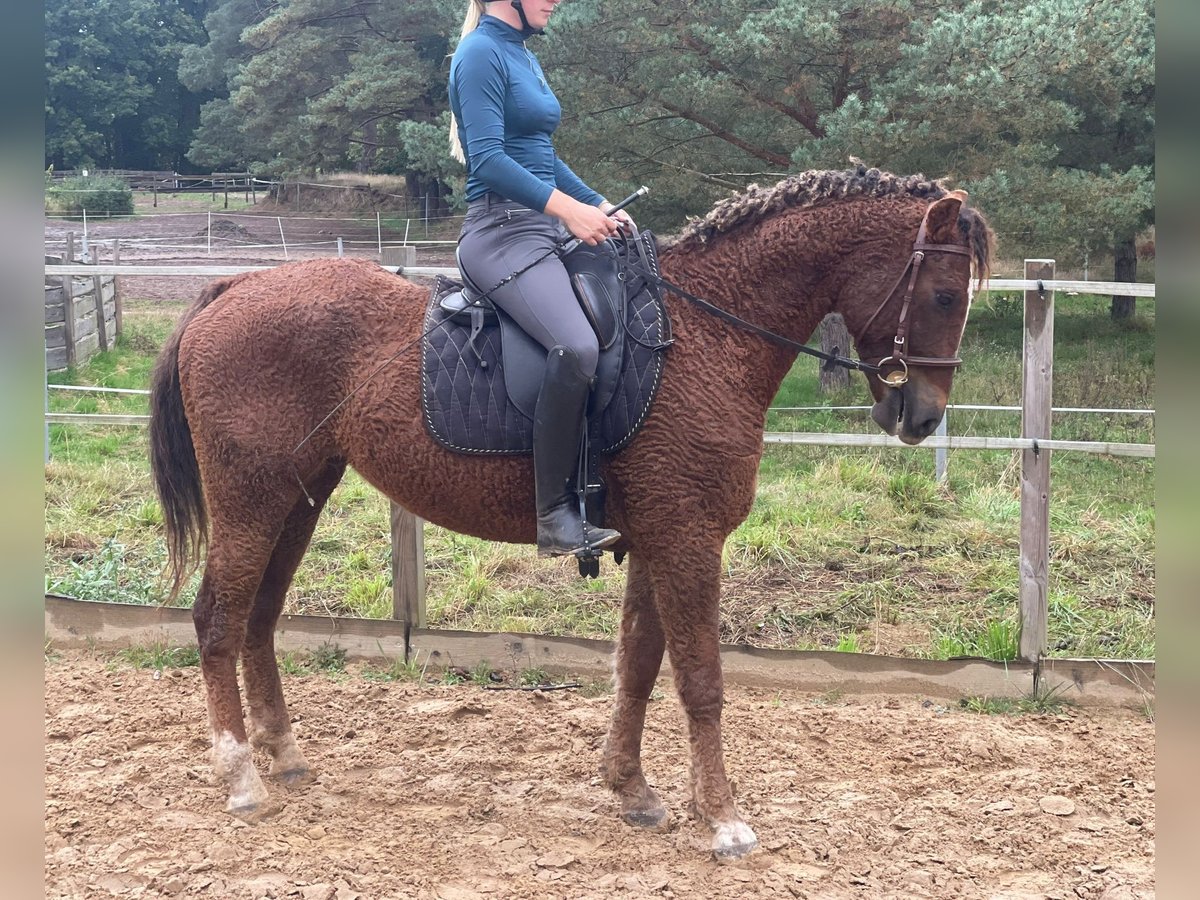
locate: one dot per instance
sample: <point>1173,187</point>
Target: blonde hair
<point>475,10</point>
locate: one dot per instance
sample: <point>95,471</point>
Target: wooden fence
<point>1035,443</point>
<point>148,179</point>
<point>83,313</point>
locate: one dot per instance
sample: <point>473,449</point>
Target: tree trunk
<point>366,163</point>
<point>1124,270</point>
<point>834,339</point>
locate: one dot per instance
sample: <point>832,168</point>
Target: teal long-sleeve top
<point>506,115</point>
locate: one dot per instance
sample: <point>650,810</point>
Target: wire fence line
<point>821,439</point>
<point>291,217</point>
<point>938,442</point>
<point>88,388</point>
<point>223,244</point>
<point>232,237</point>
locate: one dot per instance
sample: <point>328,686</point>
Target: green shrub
<point>98,194</point>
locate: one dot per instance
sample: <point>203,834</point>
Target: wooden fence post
<point>98,288</point>
<point>68,286</point>
<point>1037,381</point>
<point>118,313</point>
<point>408,568</point>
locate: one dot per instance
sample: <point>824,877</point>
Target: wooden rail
<point>1089,682</point>
<point>1128,289</point>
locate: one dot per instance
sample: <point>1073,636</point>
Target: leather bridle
<point>899,355</point>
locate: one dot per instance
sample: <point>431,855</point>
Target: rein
<point>898,356</point>
<point>831,360</point>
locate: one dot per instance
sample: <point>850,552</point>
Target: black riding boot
<point>557,433</point>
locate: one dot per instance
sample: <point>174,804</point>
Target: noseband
<point>899,356</point>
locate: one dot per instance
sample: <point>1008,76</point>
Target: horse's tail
<point>173,458</point>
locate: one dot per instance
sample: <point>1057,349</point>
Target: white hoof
<point>732,841</point>
<point>234,765</point>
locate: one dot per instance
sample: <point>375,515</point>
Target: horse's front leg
<point>639,655</point>
<point>687,589</point>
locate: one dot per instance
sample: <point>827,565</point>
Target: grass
<point>159,656</point>
<point>999,640</point>
<point>327,659</point>
<point>535,677</point>
<point>1040,702</point>
<point>858,550</point>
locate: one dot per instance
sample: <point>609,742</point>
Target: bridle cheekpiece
<point>899,355</point>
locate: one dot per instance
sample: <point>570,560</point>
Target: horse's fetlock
<point>262,738</point>
<point>617,774</point>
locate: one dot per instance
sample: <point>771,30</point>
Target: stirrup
<point>589,561</point>
<point>589,556</point>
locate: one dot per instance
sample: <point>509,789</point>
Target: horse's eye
<point>944,299</point>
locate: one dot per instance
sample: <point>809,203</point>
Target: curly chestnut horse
<point>260,359</point>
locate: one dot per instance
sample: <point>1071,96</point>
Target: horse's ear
<point>942,219</point>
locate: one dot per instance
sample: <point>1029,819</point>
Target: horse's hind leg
<point>237,558</point>
<point>687,593</point>
<point>639,655</point>
<point>270,725</point>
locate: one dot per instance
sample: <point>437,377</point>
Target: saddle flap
<point>599,287</point>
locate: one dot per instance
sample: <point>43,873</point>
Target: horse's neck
<point>783,282</point>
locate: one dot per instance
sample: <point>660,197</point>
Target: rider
<point>521,200</point>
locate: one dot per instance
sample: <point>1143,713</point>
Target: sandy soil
<point>428,791</point>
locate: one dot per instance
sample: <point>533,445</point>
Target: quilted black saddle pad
<point>468,403</point>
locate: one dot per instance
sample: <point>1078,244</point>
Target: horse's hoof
<point>253,813</point>
<point>293,777</point>
<point>655,819</point>
<point>733,841</point>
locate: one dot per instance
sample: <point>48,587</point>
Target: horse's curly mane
<point>813,187</point>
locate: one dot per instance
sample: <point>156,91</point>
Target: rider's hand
<point>588,223</point>
<point>624,220</point>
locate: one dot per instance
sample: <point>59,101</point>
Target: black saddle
<point>482,373</point>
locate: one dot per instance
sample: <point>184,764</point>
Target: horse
<point>260,359</point>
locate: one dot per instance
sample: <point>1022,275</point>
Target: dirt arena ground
<point>430,791</point>
<point>238,240</point>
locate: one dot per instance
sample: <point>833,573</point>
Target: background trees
<point>113,97</point>
<point>1042,109</point>
<point>319,85</point>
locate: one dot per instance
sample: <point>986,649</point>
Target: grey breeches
<point>499,239</point>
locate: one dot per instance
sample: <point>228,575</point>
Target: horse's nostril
<point>929,426</point>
